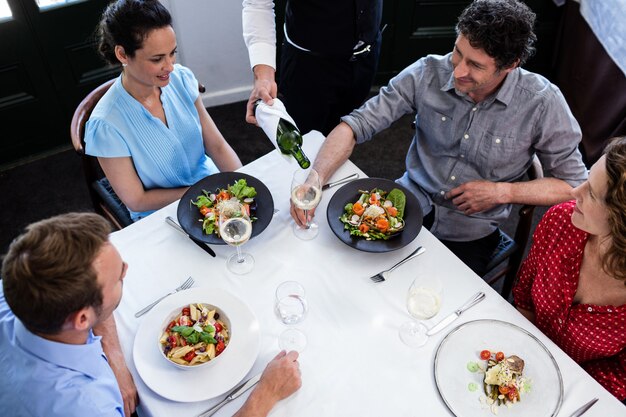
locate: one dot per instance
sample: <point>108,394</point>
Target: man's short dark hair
<point>502,28</point>
<point>48,272</point>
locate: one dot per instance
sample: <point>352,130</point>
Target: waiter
<point>329,57</point>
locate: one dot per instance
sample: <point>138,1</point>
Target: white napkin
<point>268,117</point>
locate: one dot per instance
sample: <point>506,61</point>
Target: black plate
<point>349,193</point>
<point>189,216</point>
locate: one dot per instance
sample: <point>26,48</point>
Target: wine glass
<point>235,229</point>
<point>423,302</point>
<point>291,307</point>
<point>306,193</point>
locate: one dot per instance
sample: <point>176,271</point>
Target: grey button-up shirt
<point>457,140</point>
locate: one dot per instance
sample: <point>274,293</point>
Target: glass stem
<point>307,224</point>
<point>240,258</point>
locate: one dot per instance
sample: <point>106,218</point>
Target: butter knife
<point>477,298</point>
<point>341,181</point>
<point>234,394</point>
<point>582,410</point>
<point>200,244</point>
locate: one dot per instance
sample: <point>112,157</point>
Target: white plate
<point>205,382</point>
<point>464,343</point>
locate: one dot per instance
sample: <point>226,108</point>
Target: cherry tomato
<point>499,356</point>
<point>172,341</point>
<point>218,327</point>
<point>503,389</point>
<point>172,324</point>
<point>485,355</point>
<point>219,348</point>
<point>183,342</point>
<point>204,210</point>
<point>374,200</point>
<point>357,208</point>
<point>188,357</point>
<point>363,228</point>
<point>512,395</point>
<point>186,311</point>
<point>392,211</point>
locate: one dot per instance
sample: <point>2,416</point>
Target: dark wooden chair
<point>513,249</point>
<point>104,200</point>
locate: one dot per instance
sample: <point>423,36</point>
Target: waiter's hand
<point>265,88</point>
<point>476,196</point>
<point>298,215</point>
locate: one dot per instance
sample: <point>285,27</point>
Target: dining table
<point>354,363</point>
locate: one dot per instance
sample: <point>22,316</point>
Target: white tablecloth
<point>354,363</point>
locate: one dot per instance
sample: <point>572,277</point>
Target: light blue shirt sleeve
<point>189,82</point>
<point>102,139</point>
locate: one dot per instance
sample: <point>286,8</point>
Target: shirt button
<point>609,310</point>
<point>466,136</point>
<point>443,118</point>
<point>498,140</point>
<point>453,178</point>
<point>474,109</point>
<point>589,309</point>
<point>462,156</point>
<point>442,192</point>
<point>560,321</point>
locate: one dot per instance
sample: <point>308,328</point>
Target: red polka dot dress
<point>594,336</point>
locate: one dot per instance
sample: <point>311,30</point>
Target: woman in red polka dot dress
<point>572,285</point>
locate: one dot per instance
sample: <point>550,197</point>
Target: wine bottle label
<point>268,117</point>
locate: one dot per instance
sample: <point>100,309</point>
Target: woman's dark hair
<point>614,261</point>
<point>127,23</point>
<point>502,28</point>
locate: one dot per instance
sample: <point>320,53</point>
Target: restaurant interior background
<point>48,64</point>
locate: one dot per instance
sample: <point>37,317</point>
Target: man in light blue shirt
<point>480,119</point>
<point>61,279</point>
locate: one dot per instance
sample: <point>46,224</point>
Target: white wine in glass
<point>306,193</point>
<point>423,301</point>
<point>235,229</point>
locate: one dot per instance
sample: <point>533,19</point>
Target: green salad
<point>376,215</point>
<point>208,203</point>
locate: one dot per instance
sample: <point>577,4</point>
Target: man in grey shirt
<point>480,118</point>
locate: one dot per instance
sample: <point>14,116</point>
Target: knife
<point>477,298</point>
<point>201,244</point>
<point>236,393</point>
<point>340,181</point>
<point>582,410</point>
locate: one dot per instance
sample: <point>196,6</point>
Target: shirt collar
<point>80,358</point>
<point>504,94</point>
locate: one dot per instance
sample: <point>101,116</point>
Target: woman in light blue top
<point>150,131</point>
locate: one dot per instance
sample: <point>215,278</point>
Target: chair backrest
<point>522,235</point>
<point>103,199</point>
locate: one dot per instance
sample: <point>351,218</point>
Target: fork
<point>381,276</point>
<point>185,285</point>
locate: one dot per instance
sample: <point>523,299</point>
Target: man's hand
<point>476,196</point>
<point>298,214</point>
<point>265,88</point>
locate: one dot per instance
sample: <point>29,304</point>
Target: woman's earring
<point>123,65</point>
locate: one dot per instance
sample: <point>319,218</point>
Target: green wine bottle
<point>288,138</point>
<point>289,142</point>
